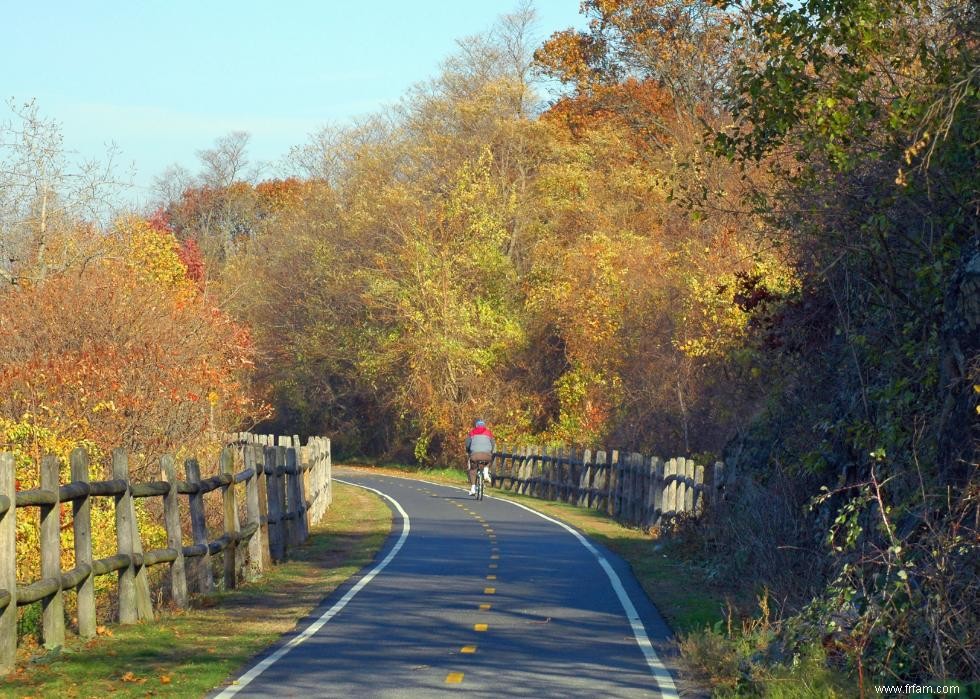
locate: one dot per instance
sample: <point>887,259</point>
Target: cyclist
<point>480,444</point>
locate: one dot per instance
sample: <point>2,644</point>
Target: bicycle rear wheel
<point>479,484</point>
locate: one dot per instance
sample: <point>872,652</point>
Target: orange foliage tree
<point>124,352</point>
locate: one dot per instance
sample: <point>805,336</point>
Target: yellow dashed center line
<point>454,678</point>
<point>480,627</point>
<point>489,590</point>
<point>484,607</point>
<point>493,565</point>
<point>494,557</point>
<point>468,649</point>
<point>491,577</point>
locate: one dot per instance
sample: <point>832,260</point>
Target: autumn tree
<point>45,196</point>
<point>219,207</point>
<point>866,114</point>
<point>123,352</point>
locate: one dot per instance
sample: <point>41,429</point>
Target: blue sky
<point>164,79</point>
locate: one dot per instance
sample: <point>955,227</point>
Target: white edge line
<point>267,662</point>
<point>661,674</point>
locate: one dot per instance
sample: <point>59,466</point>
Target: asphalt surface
<point>483,598</point>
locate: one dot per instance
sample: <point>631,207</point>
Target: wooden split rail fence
<point>287,490</point>
<point>636,490</point>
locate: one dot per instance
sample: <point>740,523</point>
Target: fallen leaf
<point>164,679</point>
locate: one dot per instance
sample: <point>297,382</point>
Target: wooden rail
<point>287,490</point>
<point>636,490</point>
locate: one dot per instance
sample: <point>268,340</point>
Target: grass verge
<point>189,652</point>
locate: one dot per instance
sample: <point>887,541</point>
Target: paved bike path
<point>485,598</point>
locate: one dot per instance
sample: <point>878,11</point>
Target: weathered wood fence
<point>287,490</point>
<point>634,489</point>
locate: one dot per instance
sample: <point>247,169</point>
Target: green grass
<point>189,652</point>
<point>452,476</point>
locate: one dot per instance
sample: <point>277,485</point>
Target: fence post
<point>595,472</point>
<point>232,525</point>
<point>540,454</point>
<point>670,488</point>
<point>529,454</point>
<point>8,563</point>
<point>261,489</point>
<point>53,606</point>
<point>305,483</point>
<point>302,486</point>
<point>689,493</point>
<point>254,514</point>
<point>282,488</point>
<point>638,486</point>
<point>328,473</point>
<point>82,529</point>
<point>124,539</point>
<point>495,464</point>
<point>527,466</point>
<point>519,467</point>
<point>276,543</point>
<point>319,478</point>
<point>655,492</point>
<point>199,529</point>
<point>572,474</point>
<point>585,479</point>
<point>294,505</point>
<point>318,470</point>
<point>537,471</point>
<point>618,473</point>
<point>561,472</point>
<point>551,473</point>
<point>630,488</point>
<point>540,479</point>
<point>680,473</point>
<point>313,482</point>
<point>558,473</point>
<point>643,478</point>
<point>613,478</point>
<point>698,489</point>
<point>175,538</point>
<point>547,466</point>
<point>144,605</point>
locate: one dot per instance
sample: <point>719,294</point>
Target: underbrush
<point>744,657</point>
<point>852,591</point>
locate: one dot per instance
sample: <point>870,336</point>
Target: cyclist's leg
<point>471,473</point>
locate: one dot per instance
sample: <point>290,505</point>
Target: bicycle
<point>479,464</point>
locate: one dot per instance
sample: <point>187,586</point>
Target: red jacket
<point>480,439</point>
